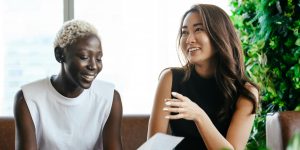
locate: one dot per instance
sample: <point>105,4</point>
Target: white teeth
<point>89,77</point>
<point>193,49</point>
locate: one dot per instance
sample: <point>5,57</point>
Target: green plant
<point>269,31</point>
<point>294,142</point>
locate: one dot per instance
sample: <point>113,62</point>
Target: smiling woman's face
<point>83,61</point>
<point>194,41</point>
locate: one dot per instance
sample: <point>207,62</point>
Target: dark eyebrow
<point>197,24</point>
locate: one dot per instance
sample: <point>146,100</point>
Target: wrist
<point>199,118</point>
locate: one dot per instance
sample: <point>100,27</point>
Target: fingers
<point>179,96</point>
<point>176,105</point>
<point>176,110</point>
<point>178,116</point>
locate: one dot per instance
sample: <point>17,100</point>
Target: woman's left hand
<point>183,107</point>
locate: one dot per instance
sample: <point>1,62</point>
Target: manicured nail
<point>174,93</point>
<point>168,103</point>
<point>165,108</point>
<point>167,117</point>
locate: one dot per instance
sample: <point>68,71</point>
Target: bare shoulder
<point>19,95</point>
<point>252,89</point>
<point>117,98</point>
<point>166,74</point>
<point>117,103</point>
<point>20,106</point>
<point>19,101</point>
<point>164,85</point>
<point>245,104</point>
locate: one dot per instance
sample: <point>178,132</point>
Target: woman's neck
<point>206,70</point>
<point>64,87</point>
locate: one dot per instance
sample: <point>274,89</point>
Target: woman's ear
<point>59,54</point>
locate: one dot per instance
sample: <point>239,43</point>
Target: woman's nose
<point>191,38</point>
<point>92,64</point>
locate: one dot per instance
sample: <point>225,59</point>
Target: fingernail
<point>167,117</point>
<point>174,93</point>
<point>165,108</point>
<point>168,103</point>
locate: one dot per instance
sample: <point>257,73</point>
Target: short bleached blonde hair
<point>71,31</point>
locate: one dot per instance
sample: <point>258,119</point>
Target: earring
<point>61,59</point>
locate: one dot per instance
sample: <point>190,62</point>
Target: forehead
<point>192,18</point>
<point>91,42</point>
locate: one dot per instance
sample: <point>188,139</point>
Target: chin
<point>192,61</point>
<point>86,85</point>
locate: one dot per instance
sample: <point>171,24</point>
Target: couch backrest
<point>134,132</point>
<point>280,127</point>
<point>7,133</point>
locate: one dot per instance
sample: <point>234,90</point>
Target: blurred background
<point>139,41</point>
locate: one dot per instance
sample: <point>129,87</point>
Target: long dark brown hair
<point>230,70</point>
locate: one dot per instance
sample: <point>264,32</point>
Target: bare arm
<point>158,122</point>
<point>242,121</point>
<point>239,129</point>
<point>112,128</point>
<point>25,130</point>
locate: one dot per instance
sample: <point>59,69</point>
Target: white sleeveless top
<point>63,123</point>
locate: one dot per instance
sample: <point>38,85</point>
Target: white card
<point>161,141</point>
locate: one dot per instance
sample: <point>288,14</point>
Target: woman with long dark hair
<point>209,101</point>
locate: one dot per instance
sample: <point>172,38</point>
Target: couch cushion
<point>134,131</point>
<point>290,123</point>
<point>7,133</point>
<point>280,127</point>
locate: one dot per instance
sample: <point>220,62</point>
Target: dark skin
<point>80,64</point>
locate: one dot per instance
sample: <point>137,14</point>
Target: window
<point>138,39</point>
<point>27,31</point>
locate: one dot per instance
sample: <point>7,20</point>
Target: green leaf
<point>269,33</point>
<point>297,42</point>
<point>297,108</point>
<point>294,142</point>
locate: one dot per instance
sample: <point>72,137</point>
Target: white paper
<point>161,141</point>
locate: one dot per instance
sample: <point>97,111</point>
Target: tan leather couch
<point>280,127</point>
<point>7,133</point>
<point>134,132</point>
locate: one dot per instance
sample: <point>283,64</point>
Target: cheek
<point>183,44</point>
<point>100,67</point>
<point>205,39</point>
<point>76,65</point>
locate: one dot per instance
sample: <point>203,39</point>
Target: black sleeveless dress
<point>206,94</point>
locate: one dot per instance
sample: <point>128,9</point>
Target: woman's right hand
<point>183,107</point>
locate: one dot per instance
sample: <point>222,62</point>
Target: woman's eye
<point>99,60</point>
<point>83,57</point>
<point>184,33</point>
<point>199,29</point>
